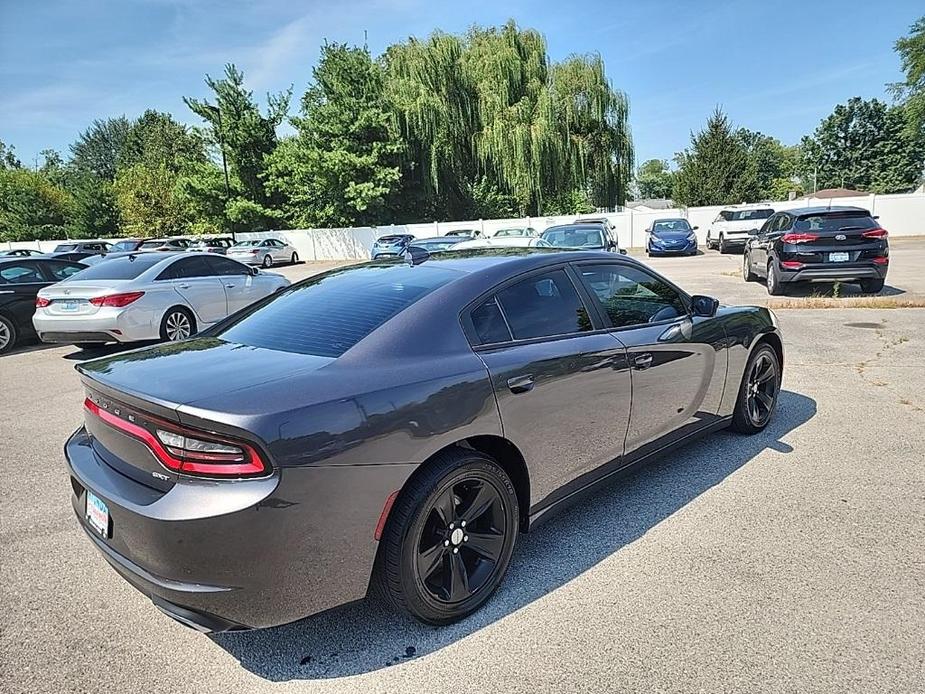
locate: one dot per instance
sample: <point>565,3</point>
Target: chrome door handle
<point>521,384</point>
<point>643,361</point>
<point>183,286</point>
<point>7,291</point>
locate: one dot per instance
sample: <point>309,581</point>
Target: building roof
<point>651,203</point>
<point>836,193</point>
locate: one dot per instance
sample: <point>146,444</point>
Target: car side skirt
<point>614,470</point>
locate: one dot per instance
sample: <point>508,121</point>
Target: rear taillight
<point>185,450</point>
<point>41,302</point>
<point>881,260</point>
<point>799,237</point>
<point>791,264</point>
<point>255,251</point>
<point>117,300</point>
<point>875,234</point>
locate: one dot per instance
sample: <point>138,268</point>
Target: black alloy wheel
<point>449,538</point>
<point>758,392</point>
<point>7,334</point>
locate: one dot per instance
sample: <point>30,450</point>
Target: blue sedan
<point>671,236</point>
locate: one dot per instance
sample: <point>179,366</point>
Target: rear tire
<point>267,261</point>
<point>177,324</point>
<point>758,391</point>
<point>871,286</point>
<point>449,538</point>
<point>775,288</point>
<point>294,259</point>
<point>747,273</point>
<point>8,335</point>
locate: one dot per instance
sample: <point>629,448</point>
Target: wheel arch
<point>502,451</point>
<point>772,339</point>
<point>186,307</point>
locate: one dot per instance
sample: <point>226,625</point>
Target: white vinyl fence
<point>901,215</point>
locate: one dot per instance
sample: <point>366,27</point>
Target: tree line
<point>452,126</point>
<point>478,125</point>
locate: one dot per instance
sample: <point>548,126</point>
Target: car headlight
<point>692,236</point>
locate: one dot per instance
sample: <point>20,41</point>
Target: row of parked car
<point>589,233</point>
<point>808,244</point>
<point>91,293</point>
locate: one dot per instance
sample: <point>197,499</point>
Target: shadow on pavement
<point>366,636</point>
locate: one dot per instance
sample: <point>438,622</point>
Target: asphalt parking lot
<point>787,561</point>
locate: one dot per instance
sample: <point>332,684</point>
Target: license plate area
<point>97,514</point>
<point>840,257</point>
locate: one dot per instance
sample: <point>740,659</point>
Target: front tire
<point>177,324</point>
<point>722,244</point>
<point>872,286</point>
<point>8,335</point>
<point>449,538</point>
<point>758,391</point>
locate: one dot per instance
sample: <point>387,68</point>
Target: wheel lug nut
<point>465,538</point>
<point>451,526</point>
<point>446,543</point>
<point>463,524</point>
<point>456,550</point>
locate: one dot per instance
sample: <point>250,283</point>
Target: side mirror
<point>753,232</point>
<point>704,306</point>
<point>255,270</point>
<point>695,228</point>
<point>622,251</point>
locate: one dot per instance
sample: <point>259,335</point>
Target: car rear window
<point>126,268</point>
<point>745,215</point>
<point>328,314</point>
<point>835,221</point>
<point>574,237</point>
<point>62,247</point>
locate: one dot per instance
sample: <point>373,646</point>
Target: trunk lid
<point>72,297</point>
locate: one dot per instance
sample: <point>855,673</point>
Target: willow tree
<point>489,107</point>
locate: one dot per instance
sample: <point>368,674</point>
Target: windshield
<point>152,244</point>
<point>745,215</point>
<point>390,240</point>
<point>574,237</point>
<point>124,246</point>
<point>253,242</point>
<point>835,221</point>
<point>671,225</point>
<point>125,268</point>
<point>328,314</point>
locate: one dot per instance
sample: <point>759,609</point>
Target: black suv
<point>818,244</point>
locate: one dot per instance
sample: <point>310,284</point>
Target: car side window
<point>61,271</point>
<point>784,223</point>
<point>767,226</point>
<point>24,273</point>
<point>187,268</point>
<point>489,323</point>
<point>543,305</point>
<point>226,267</point>
<point>630,296</point>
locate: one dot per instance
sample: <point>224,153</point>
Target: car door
<point>280,251</point>
<point>19,284</point>
<point>239,283</point>
<point>678,361</point>
<point>562,388</point>
<point>767,236</point>
<point>195,280</point>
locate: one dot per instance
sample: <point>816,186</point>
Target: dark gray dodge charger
<point>395,425</point>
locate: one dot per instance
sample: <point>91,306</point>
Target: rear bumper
<point>239,554</point>
<point>828,273</point>
<point>247,259</point>
<point>108,325</point>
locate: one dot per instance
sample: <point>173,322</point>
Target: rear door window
<point>61,271</point>
<point>187,268</point>
<point>489,324</point>
<point>226,266</point>
<point>544,305</point>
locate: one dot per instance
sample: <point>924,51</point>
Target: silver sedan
<point>265,252</point>
<point>149,296</point>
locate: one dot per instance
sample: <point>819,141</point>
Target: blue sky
<point>777,67</point>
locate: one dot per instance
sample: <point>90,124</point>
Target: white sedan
<point>148,296</point>
<point>265,252</point>
<point>502,242</point>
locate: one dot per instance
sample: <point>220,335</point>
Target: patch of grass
<point>847,302</point>
<point>731,273</point>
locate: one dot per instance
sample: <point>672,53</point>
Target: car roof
<point>576,225</point>
<point>670,219</point>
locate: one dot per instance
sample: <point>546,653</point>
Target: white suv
<point>732,226</point>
